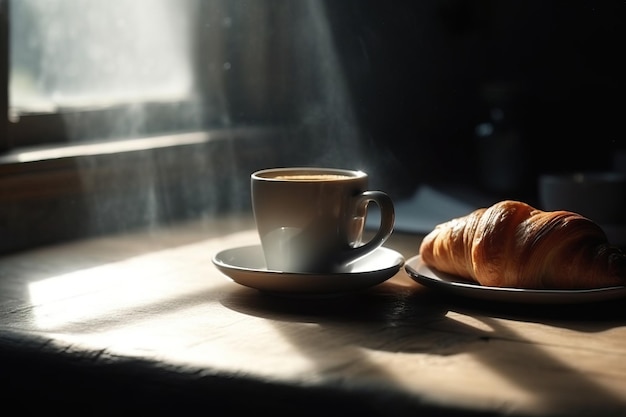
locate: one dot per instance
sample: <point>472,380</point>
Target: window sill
<point>51,194</point>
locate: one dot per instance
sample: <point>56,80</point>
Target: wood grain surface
<point>397,348</point>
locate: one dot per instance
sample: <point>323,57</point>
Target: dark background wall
<point>424,74</point>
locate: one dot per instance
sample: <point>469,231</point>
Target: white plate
<point>451,284</point>
<point>246,266</point>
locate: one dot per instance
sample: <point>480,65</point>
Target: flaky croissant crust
<point>512,244</point>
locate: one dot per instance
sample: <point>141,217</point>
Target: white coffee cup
<point>600,196</point>
<point>312,219</point>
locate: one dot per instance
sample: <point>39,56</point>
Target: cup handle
<point>387,219</point>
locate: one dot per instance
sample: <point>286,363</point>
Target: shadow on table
<point>415,320</point>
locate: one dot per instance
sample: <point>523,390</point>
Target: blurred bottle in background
<point>504,165</point>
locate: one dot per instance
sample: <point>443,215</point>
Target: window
<point>110,71</point>
<point>77,53</point>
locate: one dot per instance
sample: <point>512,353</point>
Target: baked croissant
<point>512,244</point>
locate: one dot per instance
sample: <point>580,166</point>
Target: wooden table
<point>146,322</point>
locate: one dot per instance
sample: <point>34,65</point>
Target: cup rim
<point>348,173</point>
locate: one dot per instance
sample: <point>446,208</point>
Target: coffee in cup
<point>312,219</point>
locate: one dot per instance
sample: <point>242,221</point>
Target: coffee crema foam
<point>312,177</point>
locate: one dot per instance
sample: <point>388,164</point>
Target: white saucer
<point>246,266</point>
<point>451,284</point>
